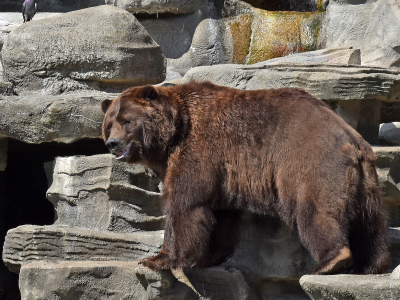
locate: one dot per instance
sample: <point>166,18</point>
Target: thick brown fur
<point>221,150</point>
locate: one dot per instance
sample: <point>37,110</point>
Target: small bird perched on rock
<point>29,9</point>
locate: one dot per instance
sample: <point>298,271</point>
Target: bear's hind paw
<point>159,262</point>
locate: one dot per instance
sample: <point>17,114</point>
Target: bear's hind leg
<point>326,239</point>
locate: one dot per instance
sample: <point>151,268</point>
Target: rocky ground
<point>78,221</point>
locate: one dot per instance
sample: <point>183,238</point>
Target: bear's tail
<point>368,237</point>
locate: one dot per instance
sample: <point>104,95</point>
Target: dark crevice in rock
<point>23,187</point>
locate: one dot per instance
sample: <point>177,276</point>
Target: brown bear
<point>281,152</point>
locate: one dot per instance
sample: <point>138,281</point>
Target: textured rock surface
<point>388,169</point>
<point>327,82</point>
<point>339,56</point>
<point>11,20</point>
<point>72,51</point>
<point>389,134</point>
<point>29,243</point>
<point>208,47</point>
<point>62,118</point>
<point>99,280</point>
<point>351,287</point>
<point>158,6</point>
<point>99,192</point>
<point>50,5</point>
<point>371,26</point>
<point>362,115</point>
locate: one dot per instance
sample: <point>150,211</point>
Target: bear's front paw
<point>158,262</point>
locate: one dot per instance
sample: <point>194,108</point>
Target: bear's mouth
<point>125,154</point>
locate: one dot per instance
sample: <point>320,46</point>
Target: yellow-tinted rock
<point>276,34</point>
<point>240,28</point>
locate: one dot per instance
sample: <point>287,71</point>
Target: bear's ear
<point>105,104</point>
<point>149,93</point>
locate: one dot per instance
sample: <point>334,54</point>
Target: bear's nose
<point>112,144</point>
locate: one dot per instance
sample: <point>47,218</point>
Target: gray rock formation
<point>99,280</point>
<point>327,82</point>
<point>72,51</point>
<point>29,243</point>
<point>371,26</point>
<point>118,196</point>
<point>387,166</point>
<point>389,134</point>
<point>351,287</point>
<point>62,118</point>
<point>10,21</point>
<point>157,6</point>
<point>334,56</point>
<point>208,47</point>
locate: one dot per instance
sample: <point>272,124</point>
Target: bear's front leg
<point>186,239</point>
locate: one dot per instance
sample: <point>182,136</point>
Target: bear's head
<point>143,123</point>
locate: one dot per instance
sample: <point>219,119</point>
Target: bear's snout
<point>112,144</point>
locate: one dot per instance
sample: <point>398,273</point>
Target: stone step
<point>127,280</point>
<point>351,287</point>
<point>99,280</point>
<point>29,243</point>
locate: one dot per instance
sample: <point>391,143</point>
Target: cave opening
<point>23,186</point>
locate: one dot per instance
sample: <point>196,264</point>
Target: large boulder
<point>372,26</point>
<point>62,118</point>
<point>103,48</point>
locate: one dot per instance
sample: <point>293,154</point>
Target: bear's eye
<point>108,127</point>
<point>127,122</point>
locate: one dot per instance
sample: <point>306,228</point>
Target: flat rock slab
<point>98,280</point>
<point>29,243</point>
<point>339,56</point>
<point>327,82</point>
<point>63,118</point>
<point>351,287</point>
<point>97,48</point>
